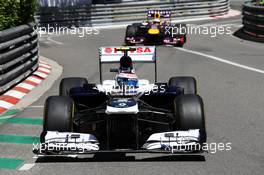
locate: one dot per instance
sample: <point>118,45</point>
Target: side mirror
<point>114,70</point>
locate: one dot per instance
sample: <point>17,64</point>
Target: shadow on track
<point>122,157</point>
<point>242,35</point>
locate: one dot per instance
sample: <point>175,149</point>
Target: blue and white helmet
<point>127,79</point>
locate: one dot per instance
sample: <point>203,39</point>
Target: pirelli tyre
<point>179,31</point>
<point>67,84</point>
<point>137,24</point>
<point>131,31</point>
<point>188,84</point>
<point>189,112</point>
<point>58,114</point>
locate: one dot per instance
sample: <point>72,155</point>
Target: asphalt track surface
<point>232,93</point>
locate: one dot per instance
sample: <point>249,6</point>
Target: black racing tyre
<point>137,24</point>
<point>180,44</point>
<point>67,84</point>
<point>131,31</point>
<point>58,114</point>
<point>188,84</point>
<point>189,112</point>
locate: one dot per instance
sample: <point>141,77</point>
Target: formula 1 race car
<point>126,114</point>
<point>157,30</point>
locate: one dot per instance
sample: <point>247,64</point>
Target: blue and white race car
<point>124,114</point>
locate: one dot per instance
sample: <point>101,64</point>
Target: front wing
<point>66,143</point>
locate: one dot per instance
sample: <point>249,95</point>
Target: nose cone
<point>153,31</point>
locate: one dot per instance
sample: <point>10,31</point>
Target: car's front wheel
<point>131,32</point>
<point>58,114</point>
<point>189,113</point>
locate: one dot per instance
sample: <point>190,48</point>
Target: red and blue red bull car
<point>157,30</point>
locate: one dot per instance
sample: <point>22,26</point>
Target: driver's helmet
<point>127,79</point>
<point>156,21</point>
<point>126,64</point>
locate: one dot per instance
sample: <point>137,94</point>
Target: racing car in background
<point>157,30</point>
<point>124,114</point>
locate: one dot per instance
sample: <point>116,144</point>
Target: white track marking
<point>44,65</point>
<point>15,93</point>
<point>42,62</point>
<point>25,86</point>
<point>46,42</point>
<point>6,117</point>
<point>35,80</point>
<point>26,167</point>
<point>44,69</point>
<point>53,41</point>
<point>36,107</point>
<point>40,74</point>
<point>5,104</point>
<point>223,60</point>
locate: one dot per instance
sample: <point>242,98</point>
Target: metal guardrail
<point>253,20</point>
<point>107,14</point>
<point>18,54</point>
<point>64,3</point>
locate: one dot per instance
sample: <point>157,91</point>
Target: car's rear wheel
<point>189,113</point>
<point>67,84</point>
<point>131,32</point>
<point>181,42</point>
<point>188,84</point>
<point>58,114</point>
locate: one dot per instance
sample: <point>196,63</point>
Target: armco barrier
<point>18,54</point>
<point>107,14</point>
<point>253,21</point>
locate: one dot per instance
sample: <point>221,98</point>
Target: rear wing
<point>112,54</point>
<point>138,54</point>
